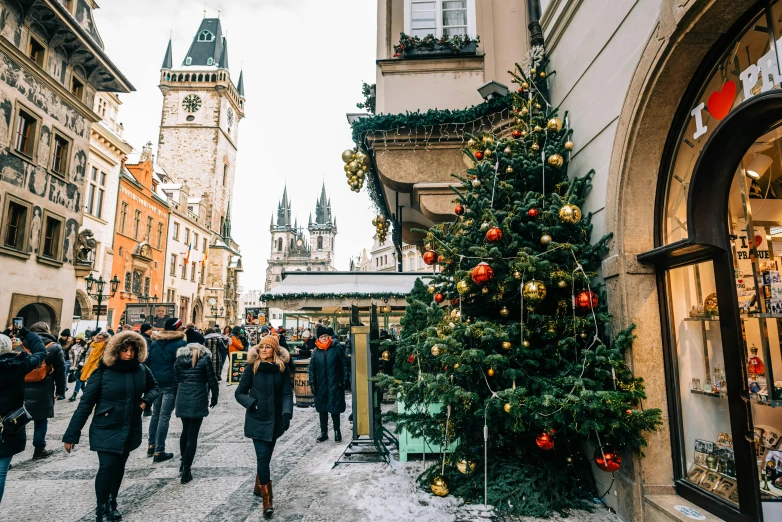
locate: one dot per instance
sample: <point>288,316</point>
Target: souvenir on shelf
<point>719,380</point>
<point>708,388</point>
<point>769,436</point>
<point>710,480</point>
<point>756,371</point>
<point>725,440</point>
<point>696,384</point>
<point>772,469</point>
<point>710,306</point>
<point>725,487</point>
<point>696,474</point>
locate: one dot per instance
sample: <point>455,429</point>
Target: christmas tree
<point>510,343</point>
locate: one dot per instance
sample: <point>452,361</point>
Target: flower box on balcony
<point>441,50</point>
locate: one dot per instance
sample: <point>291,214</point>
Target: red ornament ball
<point>430,257</point>
<point>458,210</point>
<point>516,133</point>
<point>545,441</point>
<point>478,155</point>
<point>607,459</point>
<point>533,212</point>
<point>441,259</point>
<point>439,298</point>
<point>455,301</point>
<point>411,359</point>
<point>585,301</point>
<point>482,273</point>
<point>494,235</point>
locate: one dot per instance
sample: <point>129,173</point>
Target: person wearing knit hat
<point>172,325</point>
<point>6,345</point>
<point>265,390</point>
<point>328,375</point>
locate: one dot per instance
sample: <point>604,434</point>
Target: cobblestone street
<point>306,488</point>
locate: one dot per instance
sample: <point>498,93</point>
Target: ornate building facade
<point>199,133</point>
<point>291,250</point>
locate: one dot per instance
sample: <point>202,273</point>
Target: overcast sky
<point>304,61</point>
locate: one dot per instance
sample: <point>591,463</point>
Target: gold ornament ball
<point>535,147</point>
<point>507,407</point>
<point>523,133</point>
<point>537,106</point>
<point>554,124</point>
<point>471,143</point>
<point>524,111</point>
<point>490,372</point>
<point>537,128</point>
<point>487,153</point>
<point>506,345</point>
<point>485,290</point>
<point>505,312</point>
<point>456,366</point>
<point>439,486</point>
<point>431,289</point>
<point>570,214</point>
<point>542,74</point>
<point>347,156</point>
<point>487,140</point>
<point>509,170</point>
<point>525,343</point>
<point>462,287</point>
<point>545,239</point>
<point>569,145</point>
<point>435,350</point>
<point>569,460</point>
<point>353,166</point>
<point>516,275</point>
<point>465,466</point>
<point>386,355</point>
<point>555,160</point>
<point>524,85</point>
<point>476,183</point>
<point>562,284</point>
<point>455,313</point>
<point>532,72</point>
<point>534,291</point>
<point>583,335</point>
<point>507,151</point>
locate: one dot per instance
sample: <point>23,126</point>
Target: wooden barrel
<point>301,384</point>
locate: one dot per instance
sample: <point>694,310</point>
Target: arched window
<point>188,60</point>
<point>279,244</point>
<point>205,36</point>
<point>127,281</point>
<point>320,242</point>
<point>201,76</point>
<point>180,78</point>
<point>210,61</point>
<point>187,76</point>
<point>214,77</point>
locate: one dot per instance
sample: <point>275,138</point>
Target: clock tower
<point>199,125</point>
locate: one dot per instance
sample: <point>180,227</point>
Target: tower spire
<point>240,85</point>
<point>168,59</point>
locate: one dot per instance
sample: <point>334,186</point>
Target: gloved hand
<point>286,421</point>
<point>213,402</point>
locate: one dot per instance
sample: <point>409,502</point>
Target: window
<point>172,268</point>
<point>205,36</point>
<point>202,275</point>
<point>77,87</point>
<point>15,230</point>
<point>95,192</point>
<point>279,244</point>
<point>25,133</point>
<point>184,271</point>
<point>192,271</point>
<point>440,17</point>
<point>176,231</point>
<point>136,224</point>
<point>159,239</point>
<point>52,237</point>
<point>146,285</point>
<point>204,246</point>
<point>210,61</point>
<point>320,242</point>
<point>187,236</point>
<point>195,241</point>
<point>225,173</point>
<point>60,147</point>
<point>148,234</point>
<point>137,275</point>
<point>171,295</point>
<point>127,281</point>
<point>188,60</point>
<point>36,52</point>
<point>123,217</point>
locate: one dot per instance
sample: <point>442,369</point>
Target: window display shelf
<point>718,394</point>
<point>702,319</point>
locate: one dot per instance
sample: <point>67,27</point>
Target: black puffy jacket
<point>162,355</point>
<point>13,367</point>
<point>328,374</point>
<point>115,391</point>
<point>192,384</point>
<point>267,396</point>
<point>39,396</point>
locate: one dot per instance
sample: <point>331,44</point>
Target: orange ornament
<point>430,257</point>
<point>479,155</point>
<point>494,235</point>
<point>482,273</point>
<point>439,298</point>
<point>458,210</point>
<point>516,133</point>
<point>607,459</point>
<point>545,441</point>
<point>585,301</point>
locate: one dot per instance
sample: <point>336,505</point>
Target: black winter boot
<point>162,457</point>
<point>102,513</point>
<point>114,514</point>
<point>42,453</point>
<point>186,475</point>
<point>150,450</point>
<point>337,435</point>
<point>323,436</point>
<point>73,397</point>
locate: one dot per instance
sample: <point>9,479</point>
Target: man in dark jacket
<point>162,355</point>
<point>39,396</point>
<point>218,345</point>
<point>144,331</point>
<point>192,335</point>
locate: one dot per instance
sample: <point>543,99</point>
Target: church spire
<point>240,85</point>
<point>209,46</point>
<point>168,59</point>
<point>284,210</point>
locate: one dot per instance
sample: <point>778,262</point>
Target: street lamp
<point>146,298</point>
<point>215,315</point>
<point>98,285</point>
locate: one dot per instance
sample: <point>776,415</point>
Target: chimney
<point>146,152</point>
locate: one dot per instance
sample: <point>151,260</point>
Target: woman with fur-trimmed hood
<point>118,390</point>
<point>194,378</point>
<point>266,392</point>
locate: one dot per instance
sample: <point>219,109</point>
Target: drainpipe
<point>536,38</point>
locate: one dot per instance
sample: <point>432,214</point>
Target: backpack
<point>40,373</point>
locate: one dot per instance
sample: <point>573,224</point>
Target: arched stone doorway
<point>82,307</point>
<point>35,312</point>
<point>196,316</point>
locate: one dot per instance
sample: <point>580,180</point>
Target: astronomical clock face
<point>212,301</point>
<point>191,103</point>
<point>230,117</point>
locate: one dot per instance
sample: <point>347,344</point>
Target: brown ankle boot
<point>266,491</point>
<point>257,488</point>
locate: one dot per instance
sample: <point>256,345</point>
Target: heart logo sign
<point>721,102</point>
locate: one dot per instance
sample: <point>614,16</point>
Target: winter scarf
<point>96,353</point>
<point>323,346</point>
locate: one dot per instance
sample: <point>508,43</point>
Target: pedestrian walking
<point>144,330</point>
<point>194,379</point>
<point>308,344</point>
<point>14,366</point>
<point>218,345</point>
<point>328,375</point>
<point>43,385</point>
<point>266,392</point>
<point>66,341</point>
<point>78,357</point>
<point>236,344</point>
<point>192,335</point>
<point>162,356</point>
<point>117,391</point>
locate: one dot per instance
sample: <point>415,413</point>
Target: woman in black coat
<point>266,392</point>
<point>328,375</point>
<point>119,390</point>
<point>13,367</point>
<point>194,378</point>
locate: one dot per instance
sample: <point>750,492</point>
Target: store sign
<point>689,512</point>
<point>720,103</point>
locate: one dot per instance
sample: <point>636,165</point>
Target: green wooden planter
<point>409,444</point>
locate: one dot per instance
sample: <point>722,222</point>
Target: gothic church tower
<point>199,127</point>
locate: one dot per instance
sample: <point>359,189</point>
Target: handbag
<point>15,420</point>
<point>72,375</point>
